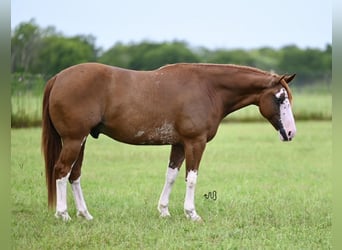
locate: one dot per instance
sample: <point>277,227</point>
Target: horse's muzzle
<point>286,135</point>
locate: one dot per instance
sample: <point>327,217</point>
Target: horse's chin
<point>283,135</point>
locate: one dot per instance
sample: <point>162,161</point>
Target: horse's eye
<point>280,99</point>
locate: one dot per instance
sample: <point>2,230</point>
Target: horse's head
<point>275,105</point>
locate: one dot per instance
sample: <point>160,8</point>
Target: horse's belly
<point>162,134</point>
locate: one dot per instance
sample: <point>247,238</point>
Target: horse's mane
<point>234,66</point>
<point>238,67</point>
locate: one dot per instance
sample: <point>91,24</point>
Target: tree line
<point>37,50</point>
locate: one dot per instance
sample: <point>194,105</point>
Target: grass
<point>26,110</point>
<point>270,194</point>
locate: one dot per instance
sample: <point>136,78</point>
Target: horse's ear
<point>288,78</point>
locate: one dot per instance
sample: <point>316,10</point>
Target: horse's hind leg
<point>75,180</point>
<point>67,159</point>
<point>176,160</point>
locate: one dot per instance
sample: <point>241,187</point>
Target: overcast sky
<point>213,24</point>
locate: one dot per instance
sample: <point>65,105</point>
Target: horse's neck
<point>233,100</point>
<point>239,90</point>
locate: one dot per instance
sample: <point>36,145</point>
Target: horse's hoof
<point>63,215</point>
<point>84,214</point>
<point>196,218</point>
<point>164,211</point>
<point>165,215</point>
<point>193,216</point>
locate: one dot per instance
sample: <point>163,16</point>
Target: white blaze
<point>286,116</point>
<point>171,175</point>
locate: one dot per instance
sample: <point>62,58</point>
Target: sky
<point>213,24</point>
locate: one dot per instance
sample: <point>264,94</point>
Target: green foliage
<point>147,55</point>
<point>26,99</point>
<point>58,53</point>
<point>26,110</point>
<point>270,194</point>
<point>46,51</point>
<point>25,43</point>
<point>119,55</point>
<point>237,56</point>
<point>311,64</point>
<point>27,83</point>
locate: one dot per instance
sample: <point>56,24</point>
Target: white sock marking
<point>61,198</point>
<point>171,175</point>
<point>189,203</point>
<point>79,200</point>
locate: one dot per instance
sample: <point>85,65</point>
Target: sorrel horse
<point>180,105</point>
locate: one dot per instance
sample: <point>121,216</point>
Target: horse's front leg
<point>193,155</point>
<point>176,160</point>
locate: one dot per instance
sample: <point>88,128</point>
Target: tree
<point>327,63</point>
<point>157,55</point>
<point>46,51</point>
<point>237,56</point>
<point>59,52</point>
<point>119,55</point>
<point>311,65</point>
<point>148,55</point>
<point>266,58</point>
<point>25,44</point>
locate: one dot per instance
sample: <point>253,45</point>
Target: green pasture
<point>270,194</point>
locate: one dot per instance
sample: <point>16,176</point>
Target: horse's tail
<point>51,145</point>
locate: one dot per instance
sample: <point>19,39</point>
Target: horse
<point>180,105</point>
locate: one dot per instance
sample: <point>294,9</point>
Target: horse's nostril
<point>289,133</point>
